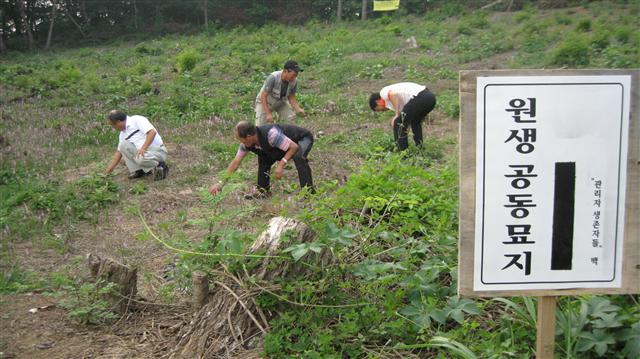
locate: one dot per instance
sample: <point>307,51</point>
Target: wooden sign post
<point>546,327</point>
<point>549,184</point>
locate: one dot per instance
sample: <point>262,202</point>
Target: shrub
<point>187,60</point>
<point>478,20</point>
<point>562,19</point>
<point>600,40</point>
<point>621,57</point>
<point>394,29</point>
<point>522,16</point>
<point>15,280</point>
<point>448,103</point>
<point>141,68</point>
<point>372,72</point>
<point>584,25</point>
<point>138,188</point>
<point>69,73</point>
<point>86,303</point>
<point>623,34</point>
<point>385,20</point>
<point>464,29</point>
<point>574,52</point>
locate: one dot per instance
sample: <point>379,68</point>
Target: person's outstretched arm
<point>296,106</point>
<point>117,157</point>
<point>233,166</point>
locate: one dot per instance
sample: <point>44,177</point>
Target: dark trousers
<point>300,159</point>
<point>412,115</point>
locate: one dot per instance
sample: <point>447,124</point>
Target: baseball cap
<point>292,66</point>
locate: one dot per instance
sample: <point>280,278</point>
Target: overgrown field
<point>388,219</point>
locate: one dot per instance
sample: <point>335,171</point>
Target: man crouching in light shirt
<point>140,145</point>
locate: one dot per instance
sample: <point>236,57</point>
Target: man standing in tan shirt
<point>278,94</point>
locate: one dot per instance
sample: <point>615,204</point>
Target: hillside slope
<point>389,220</point>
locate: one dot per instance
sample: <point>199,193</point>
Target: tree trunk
<point>125,277</point>
<point>206,16</point>
<point>25,23</point>
<point>232,321</point>
<point>135,14</point>
<point>51,21</point>
<point>83,12</point>
<point>3,47</point>
<point>339,13</point>
<point>364,10</point>
<point>75,23</point>
<point>157,20</point>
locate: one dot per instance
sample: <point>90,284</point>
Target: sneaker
<point>258,194</point>
<point>166,169</point>
<point>138,174</point>
<point>161,171</point>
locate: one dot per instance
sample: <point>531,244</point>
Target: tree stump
<point>231,322</point>
<point>200,290</point>
<point>124,277</point>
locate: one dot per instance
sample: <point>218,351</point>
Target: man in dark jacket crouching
<point>273,144</point>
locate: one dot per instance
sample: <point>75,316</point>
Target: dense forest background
<point>34,24</point>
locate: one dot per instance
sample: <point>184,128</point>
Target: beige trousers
<point>281,107</point>
<point>149,161</point>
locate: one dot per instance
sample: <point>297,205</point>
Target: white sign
<point>550,181</point>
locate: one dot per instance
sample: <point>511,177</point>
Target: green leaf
<point>631,337</point>
<point>599,305</point>
<point>370,269</point>
<point>598,339</point>
<point>336,235</point>
<point>300,250</point>
<point>456,307</point>
<point>417,314</point>
<point>607,320</point>
<point>439,316</point>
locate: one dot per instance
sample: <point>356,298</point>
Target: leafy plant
<point>448,103</point>
<point>584,25</point>
<point>86,303</point>
<point>372,72</point>
<point>594,325</point>
<point>138,188</point>
<point>15,280</point>
<point>623,34</point>
<point>573,52</point>
<point>187,60</point>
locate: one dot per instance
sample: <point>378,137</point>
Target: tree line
<point>37,24</point>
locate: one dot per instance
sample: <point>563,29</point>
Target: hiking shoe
<point>259,194</point>
<point>138,174</point>
<point>161,171</point>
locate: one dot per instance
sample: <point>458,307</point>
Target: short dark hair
<point>246,129</point>
<point>373,100</point>
<point>117,115</point>
<point>292,66</point>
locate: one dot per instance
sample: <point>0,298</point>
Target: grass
<point>389,219</point>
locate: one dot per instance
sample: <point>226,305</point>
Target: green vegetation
<point>86,303</point>
<point>388,220</point>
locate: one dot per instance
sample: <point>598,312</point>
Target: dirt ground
<point>33,326</point>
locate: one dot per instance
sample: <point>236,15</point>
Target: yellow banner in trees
<point>386,5</point>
